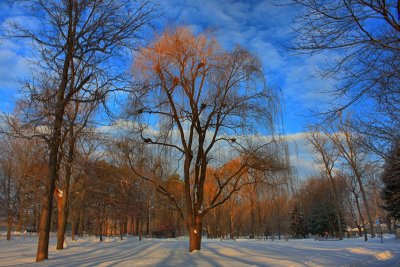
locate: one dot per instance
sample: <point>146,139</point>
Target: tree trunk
<point>81,223</point>
<point>365,200</point>
<point>339,218</point>
<point>37,218</point>
<point>100,231</point>
<point>148,226</point>
<point>60,199</point>
<point>121,229</point>
<point>115,227</point>
<point>74,226</point>
<point>195,228</point>
<point>26,221</point>
<point>47,199</point>
<point>253,220</point>
<point>140,229</point>
<point>231,231</point>
<point>9,226</point>
<point>388,219</point>
<point>337,206</point>
<point>62,223</point>
<point>362,219</point>
<point>20,218</point>
<point>136,226</point>
<point>126,231</point>
<point>359,229</point>
<point>9,209</point>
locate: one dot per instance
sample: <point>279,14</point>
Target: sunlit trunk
<point>62,222</point>
<point>59,198</point>
<point>195,229</point>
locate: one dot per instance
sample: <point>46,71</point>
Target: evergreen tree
<point>391,180</point>
<point>298,227</point>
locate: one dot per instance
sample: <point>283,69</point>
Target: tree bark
<point>9,227</point>
<point>140,229</point>
<point>361,218</point>
<point>121,229</point>
<point>20,218</point>
<point>365,200</point>
<point>195,228</point>
<point>81,223</point>
<point>62,224</point>
<point>47,199</point>
<point>339,218</point>
<point>100,231</point>
<point>231,228</point>
<point>9,208</point>
<point>75,225</point>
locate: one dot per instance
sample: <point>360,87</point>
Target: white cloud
<point>300,153</point>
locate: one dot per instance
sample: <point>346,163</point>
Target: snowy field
<point>172,252</point>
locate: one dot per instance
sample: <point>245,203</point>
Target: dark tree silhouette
<point>391,180</point>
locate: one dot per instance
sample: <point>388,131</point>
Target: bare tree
<point>328,158</point>
<point>76,121</point>
<point>79,45</point>
<point>206,99</point>
<point>348,144</point>
<point>8,184</point>
<point>365,36</point>
<point>352,186</point>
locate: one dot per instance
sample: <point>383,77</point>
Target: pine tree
<point>391,180</point>
<point>297,226</point>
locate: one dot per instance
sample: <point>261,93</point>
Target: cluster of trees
<point>188,99</point>
<point>196,146</point>
<point>105,198</point>
<point>364,37</point>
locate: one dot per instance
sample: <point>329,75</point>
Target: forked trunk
<point>62,222</point>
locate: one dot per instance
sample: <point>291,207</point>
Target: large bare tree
<point>79,46</point>
<point>349,146</point>
<point>206,100</point>
<point>365,38</point>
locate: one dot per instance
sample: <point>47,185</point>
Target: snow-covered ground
<point>172,252</point>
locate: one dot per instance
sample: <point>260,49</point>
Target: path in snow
<point>158,252</point>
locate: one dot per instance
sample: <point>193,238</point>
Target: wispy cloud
<point>265,30</point>
<point>257,25</point>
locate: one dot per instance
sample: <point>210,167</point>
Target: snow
<point>60,193</point>
<point>173,252</point>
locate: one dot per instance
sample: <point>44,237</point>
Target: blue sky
<point>262,28</point>
<point>265,30</point>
